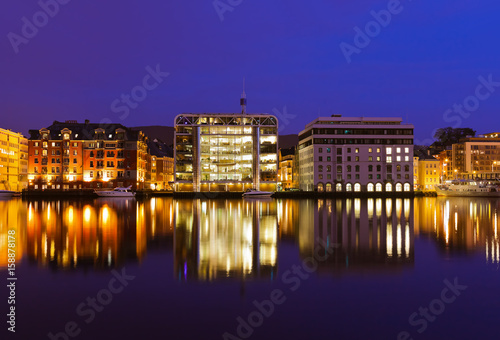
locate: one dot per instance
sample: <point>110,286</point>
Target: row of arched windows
<point>370,187</point>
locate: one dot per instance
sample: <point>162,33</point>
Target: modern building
<point>287,174</point>
<point>13,161</point>
<point>226,152</point>
<point>74,155</point>
<point>356,154</point>
<point>476,157</point>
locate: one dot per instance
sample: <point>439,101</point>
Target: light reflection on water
<point>217,239</point>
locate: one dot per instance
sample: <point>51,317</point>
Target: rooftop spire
<point>243,100</point>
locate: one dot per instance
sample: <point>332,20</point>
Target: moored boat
<point>8,193</point>
<point>252,193</point>
<point>116,192</point>
<point>471,188</point>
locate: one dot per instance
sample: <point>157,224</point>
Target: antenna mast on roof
<point>243,100</point>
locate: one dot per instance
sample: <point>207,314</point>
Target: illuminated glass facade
<point>216,152</point>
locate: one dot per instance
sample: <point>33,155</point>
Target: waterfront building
<point>476,157</point>
<point>429,172</point>
<point>162,165</point>
<point>415,172</point>
<point>74,155</point>
<point>13,160</point>
<point>225,152</point>
<point>356,154</point>
<point>287,174</point>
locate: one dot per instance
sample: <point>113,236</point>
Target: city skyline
<point>298,61</point>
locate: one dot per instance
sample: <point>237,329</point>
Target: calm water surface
<point>258,269</point>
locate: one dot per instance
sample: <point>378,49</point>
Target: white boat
<point>252,193</point>
<point>116,192</point>
<point>8,193</point>
<point>465,187</point>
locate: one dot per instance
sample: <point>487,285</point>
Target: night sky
<point>78,64</point>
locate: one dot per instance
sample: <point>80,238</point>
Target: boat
<point>252,193</point>
<point>116,192</point>
<point>8,193</point>
<point>467,187</point>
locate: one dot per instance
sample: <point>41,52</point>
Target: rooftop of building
<point>85,131</point>
<point>160,149</point>
<point>339,120</point>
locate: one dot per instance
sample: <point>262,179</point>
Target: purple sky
<point>425,60</point>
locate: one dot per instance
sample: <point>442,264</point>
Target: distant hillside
<point>163,133</point>
<point>287,141</point>
<point>166,134</point>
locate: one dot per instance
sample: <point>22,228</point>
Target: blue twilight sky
<point>426,59</point>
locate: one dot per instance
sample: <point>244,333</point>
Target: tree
<point>448,136</point>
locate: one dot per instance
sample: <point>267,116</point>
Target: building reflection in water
<point>225,238</point>
<point>364,233</point>
<point>12,217</point>
<point>461,224</point>
<point>100,233</point>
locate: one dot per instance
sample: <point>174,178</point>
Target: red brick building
<point>73,155</point>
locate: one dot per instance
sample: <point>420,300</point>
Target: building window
<point>370,168</point>
<point>379,176</point>
<point>36,160</point>
<point>36,152</point>
<point>339,159</point>
<point>356,176</point>
<point>370,187</point>
<point>348,158</point>
<point>357,159</point>
<point>407,168</point>
<point>388,187</point>
<point>339,151</point>
<point>349,150</point>
<point>378,187</point>
<point>379,168</point>
<point>329,168</point>
<point>378,158</point>
<point>320,159</point>
<point>320,176</point>
<point>388,150</point>
<point>91,174</point>
<point>370,158</point>
<point>339,168</point>
<point>357,187</point>
<point>407,187</point>
<point>370,150</point>
<point>328,150</point>
<point>329,176</point>
<point>407,150</point>
<point>328,159</point>
<point>348,187</point>
<point>74,160</point>
<point>389,159</point>
<point>320,168</point>
<point>349,168</point>
<point>398,158</point>
<point>378,150</point>
<point>398,150</point>
<point>349,176</point>
<point>398,167</point>
<point>320,150</point>
<point>407,176</point>
<point>356,150</point>
<point>338,187</point>
<point>399,187</point>
<point>370,176</point>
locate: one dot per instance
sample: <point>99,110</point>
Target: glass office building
<point>225,152</point>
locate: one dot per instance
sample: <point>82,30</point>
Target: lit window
<point>370,150</point>
<point>398,158</point>
<point>389,159</point>
<point>378,150</point>
<point>388,150</point>
<point>407,150</point>
<point>398,150</point>
<point>356,150</point>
